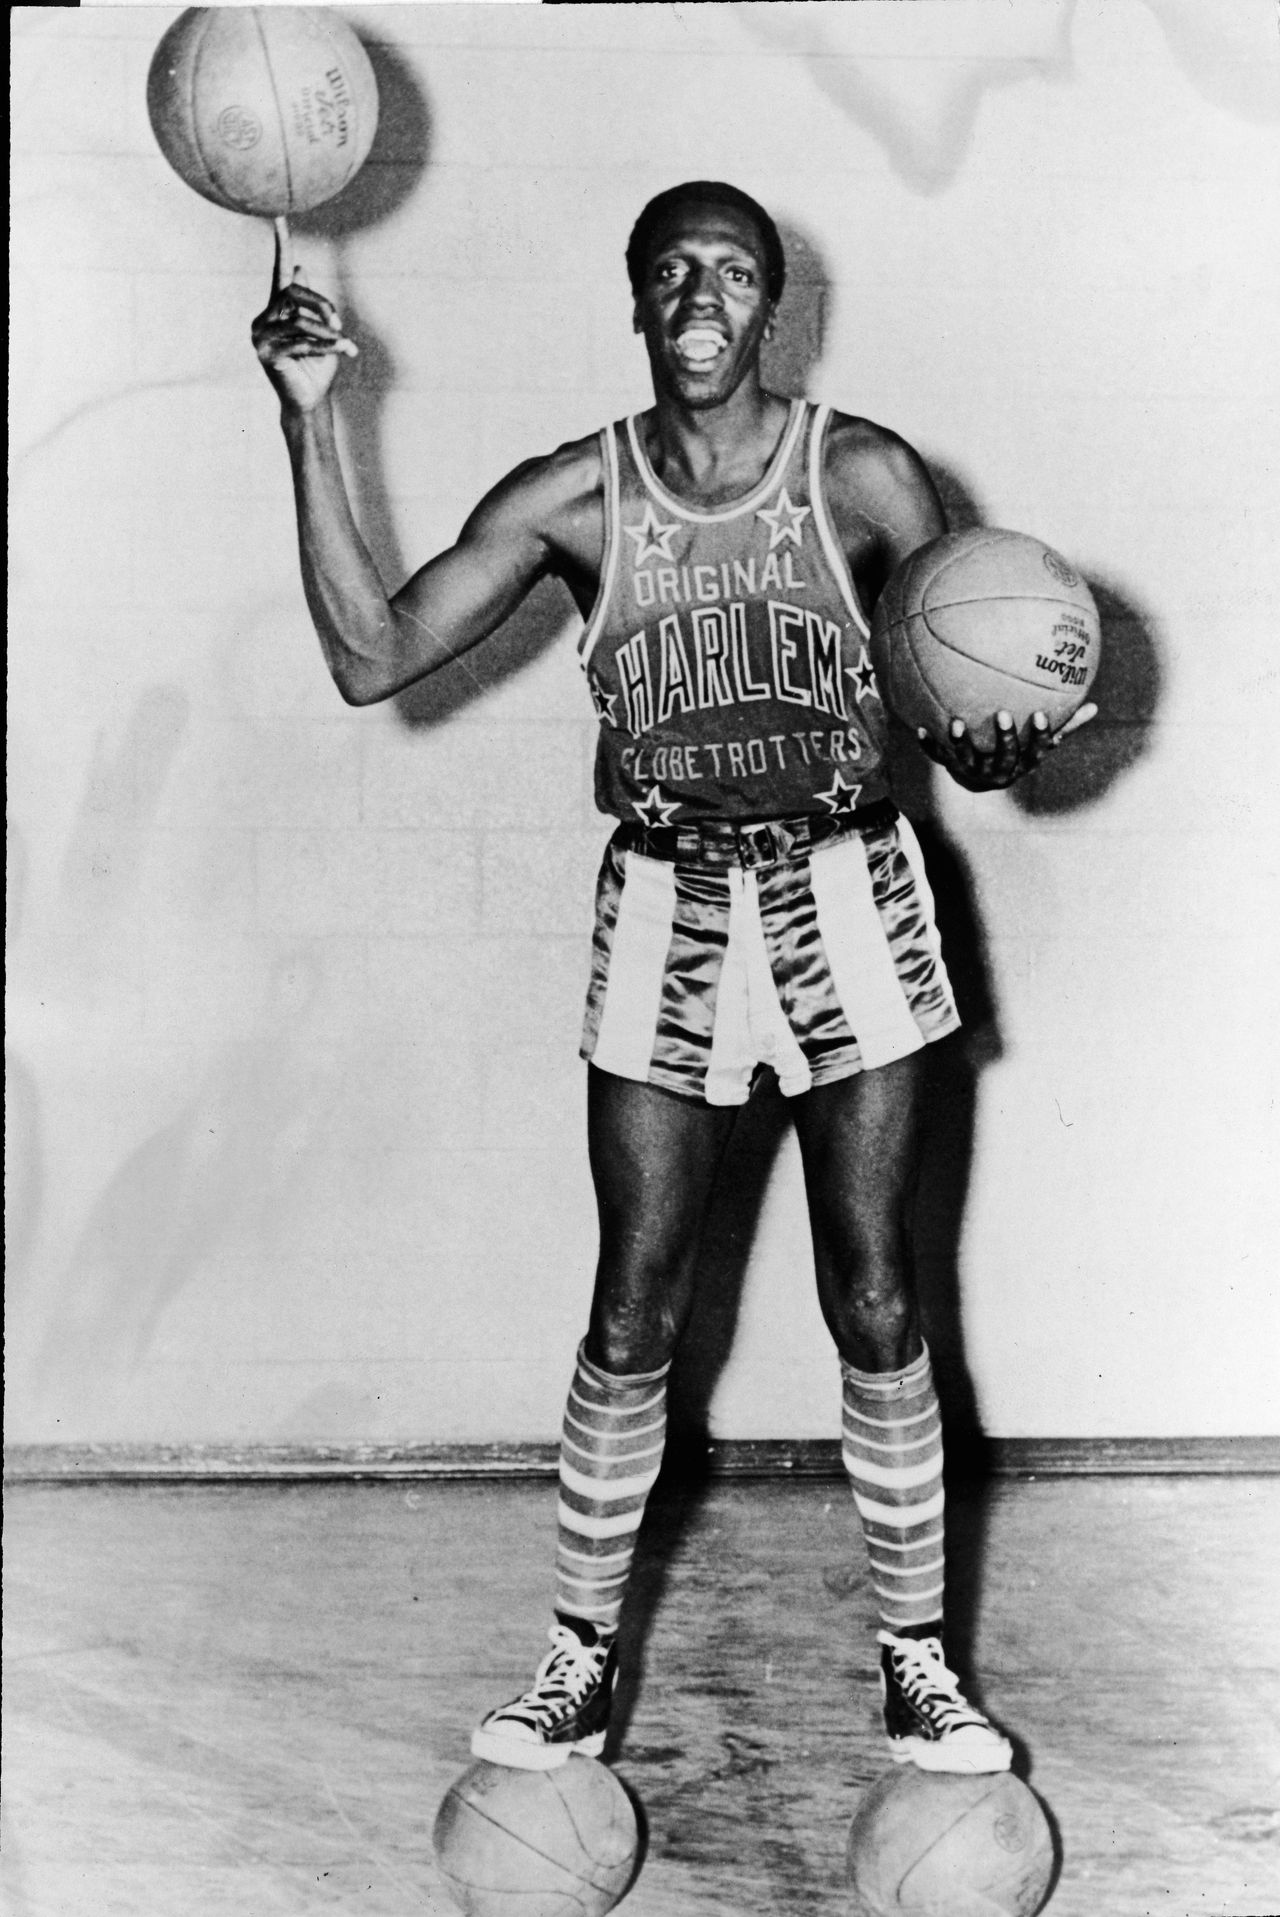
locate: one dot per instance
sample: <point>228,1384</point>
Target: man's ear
<point>636,327</point>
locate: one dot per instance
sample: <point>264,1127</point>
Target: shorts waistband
<point>763,842</point>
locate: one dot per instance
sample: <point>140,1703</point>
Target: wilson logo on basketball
<point>323,115</point>
<point>237,128</point>
<point>1009,1832</point>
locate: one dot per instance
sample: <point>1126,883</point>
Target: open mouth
<point>700,345</point>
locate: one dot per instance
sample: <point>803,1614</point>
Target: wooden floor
<point>250,1699</point>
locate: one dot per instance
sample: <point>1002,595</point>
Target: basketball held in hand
<point>267,110</point>
<point>981,622</point>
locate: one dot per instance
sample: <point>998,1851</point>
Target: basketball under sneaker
<point>927,1721</point>
<point>565,1709</point>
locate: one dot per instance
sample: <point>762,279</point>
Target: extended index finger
<point>281,272</point>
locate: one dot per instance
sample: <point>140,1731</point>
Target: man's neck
<point>715,452</point>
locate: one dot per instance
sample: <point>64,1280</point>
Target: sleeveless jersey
<point>726,652</point>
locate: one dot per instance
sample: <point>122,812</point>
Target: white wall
<point>295,1109</point>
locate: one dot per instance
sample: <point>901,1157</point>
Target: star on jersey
<point>604,702</point>
<point>783,520</point>
<point>864,679</point>
<point>655,810</point>
<point>840,797</point>
<point>653,537</point>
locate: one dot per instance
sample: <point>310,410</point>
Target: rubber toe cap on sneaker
<point>975,1749</point>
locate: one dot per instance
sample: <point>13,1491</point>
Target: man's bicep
<point>913,512</point>
<point>464,594</point>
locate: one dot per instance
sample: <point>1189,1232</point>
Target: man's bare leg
<point>654,1158</point>
<point>858,1140</point>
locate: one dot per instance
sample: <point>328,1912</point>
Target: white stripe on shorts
<point>637,959</point>
<point>775,1042</point>
<point>733,1052</point>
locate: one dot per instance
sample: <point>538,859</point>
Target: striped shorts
<point>820,965</point>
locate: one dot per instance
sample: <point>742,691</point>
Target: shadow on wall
<point>221,1171</point>
<point>792,356</point>
<point>922,113</point>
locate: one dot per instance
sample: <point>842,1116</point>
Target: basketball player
<point>760,904</point>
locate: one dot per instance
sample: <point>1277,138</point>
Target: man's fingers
<point>321,349</point>
<point>1005,756</point>
<point>964,753</point>
<point>278,269</point>
<point>1076,720</point>
<point>302,301</point>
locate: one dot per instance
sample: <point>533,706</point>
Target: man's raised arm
<point>376,644</point>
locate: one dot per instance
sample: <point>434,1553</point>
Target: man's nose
<point>702,288</point>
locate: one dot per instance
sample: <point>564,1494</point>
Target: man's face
<point>702,305</point>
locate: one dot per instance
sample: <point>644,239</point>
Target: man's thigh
<point>858,1140</point>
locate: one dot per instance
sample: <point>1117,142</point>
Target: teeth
<point>698,345</point>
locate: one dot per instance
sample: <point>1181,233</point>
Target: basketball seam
<point>1001,598</point>
<point>907,654</point>
<point>1001,671</point>
<point>944,1834</point>
<point>197,51</point>
<point>974,543</point>
<point>495,1825</point>
<point>595,1862</point>
<point>283,123</point>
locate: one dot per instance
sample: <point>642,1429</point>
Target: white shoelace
<point>921,1670</point>
<point>564,1676</point>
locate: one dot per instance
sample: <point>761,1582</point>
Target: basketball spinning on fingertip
<point>269,111</point>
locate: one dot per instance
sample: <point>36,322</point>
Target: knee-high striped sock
<point>610,1452</point>
<point>893,1454</point>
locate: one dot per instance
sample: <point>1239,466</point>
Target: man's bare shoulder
<point>859,451</point>
<point>551,484</point>
<point>556,498</point>
<point>880,492</point>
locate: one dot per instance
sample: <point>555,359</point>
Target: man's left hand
<point>1009,758</point>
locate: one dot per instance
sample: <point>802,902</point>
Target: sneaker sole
<point>936,1757</point>
<point>517,1755</point>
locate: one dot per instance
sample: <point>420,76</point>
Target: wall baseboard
<point>720,1458</point>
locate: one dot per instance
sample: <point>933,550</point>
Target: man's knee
<point>624,1347</point>
<point>637,1316</point>
<point>871,1316</point>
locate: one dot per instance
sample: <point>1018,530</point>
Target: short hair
<point>705,193</point>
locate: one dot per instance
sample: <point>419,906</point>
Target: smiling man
<point>761,904</point>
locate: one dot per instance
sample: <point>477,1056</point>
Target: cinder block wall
<point>296,1140</point>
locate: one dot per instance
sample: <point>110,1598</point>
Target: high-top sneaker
<point>927,1721</point>
<point>565,1709</point>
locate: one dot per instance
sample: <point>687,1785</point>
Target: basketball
<point>981,622</point>
<point>560,1843</point>
<point>933,1844</point>
<point>267,110</point>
